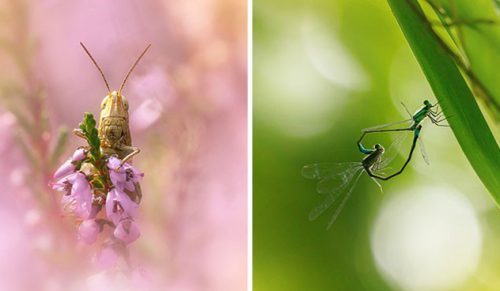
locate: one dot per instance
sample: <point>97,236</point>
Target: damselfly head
<point>379,147</point>
<point>427,104</point>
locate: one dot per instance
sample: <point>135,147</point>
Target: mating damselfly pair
<point>338,180</point>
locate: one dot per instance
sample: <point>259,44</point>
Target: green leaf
<point>88,128</point>
<point>98,182</point>
<point>454,95</point>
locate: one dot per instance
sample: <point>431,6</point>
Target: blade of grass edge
<point>467,122</point>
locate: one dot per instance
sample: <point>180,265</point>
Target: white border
<point>249,145</point>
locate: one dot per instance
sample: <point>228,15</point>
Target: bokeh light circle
<point>427,238</point>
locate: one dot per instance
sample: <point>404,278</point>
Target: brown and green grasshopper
<point>114,130</point>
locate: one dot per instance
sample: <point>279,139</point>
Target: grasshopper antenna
<point>132,68</point>
<point>95,63</point>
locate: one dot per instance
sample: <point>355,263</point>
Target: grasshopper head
<point>114,105</point>
<point>113,124</point>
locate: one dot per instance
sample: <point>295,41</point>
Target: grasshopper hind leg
<point>136,195</point>
<point>132,151</point>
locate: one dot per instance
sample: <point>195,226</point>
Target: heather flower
<point>69,166</point>
<point>79,199</point>
<point>116,172</point>
<point>88,231</point>
<point>64,184</point>
<point>119,206</point>
<point>85,199</point>
<point>127,231</point>
<point>125,176</point>
<point>79,154</point>
<point>65,169</point>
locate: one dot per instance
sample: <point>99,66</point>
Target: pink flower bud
<point>68,167</point>
<point>123,177</point>
<point>79,200</point>
<point>127,231</point>
<point>79,155</point>
<point>119,206</point>
<point>64,170</point>
<point>88,231</point>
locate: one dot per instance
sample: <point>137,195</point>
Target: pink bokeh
<point>188,115</point>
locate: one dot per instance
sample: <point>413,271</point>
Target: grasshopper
<point>113,129</point>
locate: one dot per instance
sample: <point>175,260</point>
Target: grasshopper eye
<point>125,103</point>
<point>103,103</point>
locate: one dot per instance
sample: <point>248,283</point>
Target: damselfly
<point>428,110</point>
<point>337,180</point>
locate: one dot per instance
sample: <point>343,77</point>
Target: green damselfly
<point>428,110</point>
<point>416,135</point>
<point>339,179</point>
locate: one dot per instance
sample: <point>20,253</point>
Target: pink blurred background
<point>188,115</point>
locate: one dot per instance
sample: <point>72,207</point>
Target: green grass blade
<point>480,41</point>
<point>453,94</point>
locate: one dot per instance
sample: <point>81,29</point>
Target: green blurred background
<point>323,70</point>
